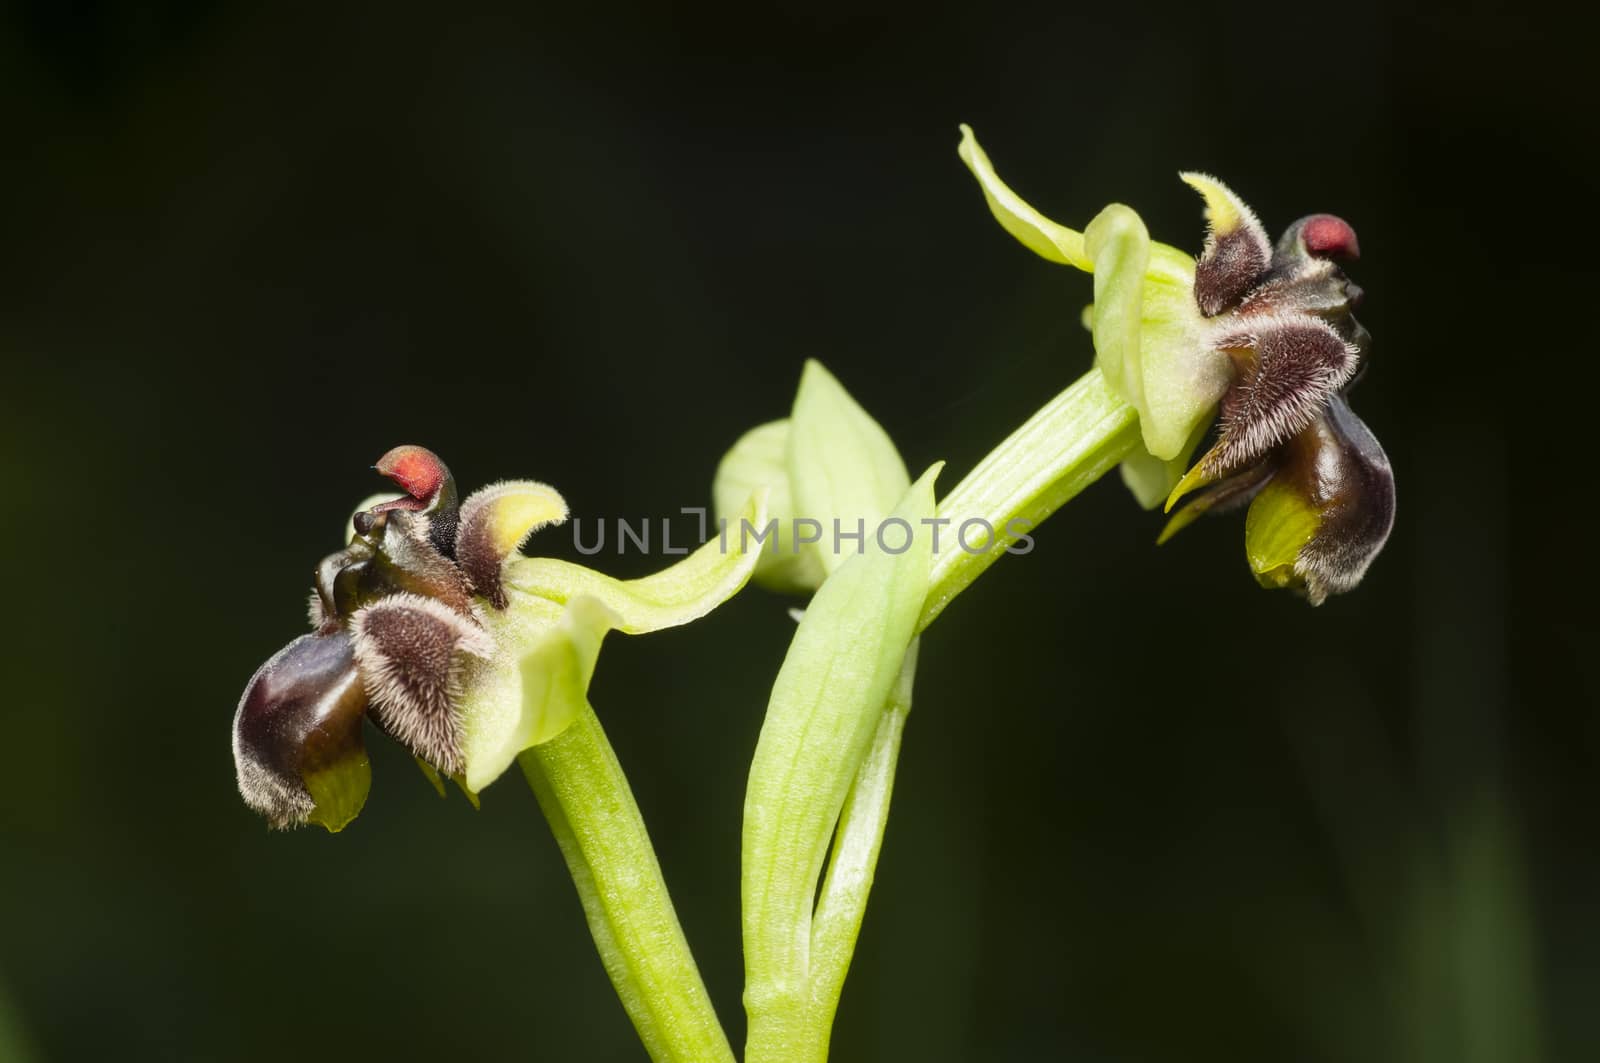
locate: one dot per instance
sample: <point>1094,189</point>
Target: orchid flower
<point>432,625</point>
<point>1260,337</point>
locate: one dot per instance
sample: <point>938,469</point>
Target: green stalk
<point>1078,437</point>
<point>854,862</point>
<point>1074,440</point>
<point>585,796</point>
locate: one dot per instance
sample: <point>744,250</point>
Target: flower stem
<point>854,862</point>
<point>585,796</point>
<point>1077,437</point>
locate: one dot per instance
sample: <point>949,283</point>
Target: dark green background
<point>1147,811</point>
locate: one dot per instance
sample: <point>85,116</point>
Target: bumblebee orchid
<point>432,625</point>
<point>1259,337</point>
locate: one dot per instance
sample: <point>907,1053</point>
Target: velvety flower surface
<point>1259,338</point>
<point>432,626</point>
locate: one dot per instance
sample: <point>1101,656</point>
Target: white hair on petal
<point>1267,426</point>
<point>284,803</point>
<point>412,671</point>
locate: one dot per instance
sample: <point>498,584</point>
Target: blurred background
<point>1146,810</point>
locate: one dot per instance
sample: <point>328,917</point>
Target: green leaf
<point>760,459</point>
<point>826,704</point>
<point>842,464</point>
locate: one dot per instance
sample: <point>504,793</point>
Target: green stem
<point>1078,437</point>
<point>1074,440</point>
<point>854,862</point>
<point>586,798</point>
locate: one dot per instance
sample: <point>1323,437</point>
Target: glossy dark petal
<point>1339,470</point>
<point>297,733</point>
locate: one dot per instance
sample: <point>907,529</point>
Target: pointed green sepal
<point>1149,335</point>
<point>1037,233</point>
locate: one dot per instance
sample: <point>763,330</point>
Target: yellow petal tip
<point>507,513</point>
<point>1224,210</point>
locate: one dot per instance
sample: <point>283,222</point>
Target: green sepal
<point>1152,480</point>
<point>1150,338</point>
<point>557,615</point>
<point>1033,230</point>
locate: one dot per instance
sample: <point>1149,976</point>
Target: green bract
<point>824,764</point>
<point>828,468</point>
<point>1149,335</point>
<point>826,705</point>
<point>760,461</point>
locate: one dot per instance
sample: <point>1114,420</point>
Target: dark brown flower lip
<point>1341,470</point>
<point>300,715</point>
